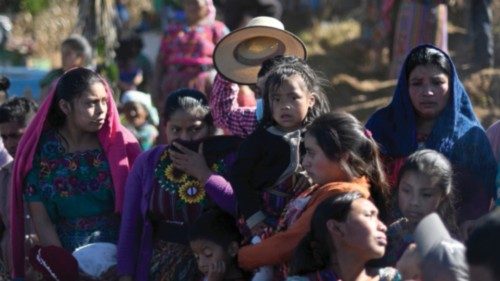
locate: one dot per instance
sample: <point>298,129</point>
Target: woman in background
<point>185,56</point>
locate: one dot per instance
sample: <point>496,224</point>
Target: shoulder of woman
<point>474,137</point>
<point>380,117</point>
<point>151,155</point>
<point>48,137</point>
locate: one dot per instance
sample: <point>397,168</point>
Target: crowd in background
<point>223,160</point>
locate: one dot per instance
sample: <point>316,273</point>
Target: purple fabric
<point>135,245</point>
<point>221,192</point>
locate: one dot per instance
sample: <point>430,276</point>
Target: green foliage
<point>34,6</point>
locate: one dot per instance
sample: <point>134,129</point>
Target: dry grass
<point>333,50</point>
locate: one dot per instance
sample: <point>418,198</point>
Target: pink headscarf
<point>119,145</point>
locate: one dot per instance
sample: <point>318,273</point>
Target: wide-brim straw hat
<point>239,55</point>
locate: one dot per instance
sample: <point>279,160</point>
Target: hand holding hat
<point>239,55</point>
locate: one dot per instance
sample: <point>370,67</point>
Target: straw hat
<point>239,55</point>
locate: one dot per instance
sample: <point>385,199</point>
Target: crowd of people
<point>235,167</point>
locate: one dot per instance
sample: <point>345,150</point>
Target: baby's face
<point>70,58</point>
<point>135,113</point>
<point>209,254</point>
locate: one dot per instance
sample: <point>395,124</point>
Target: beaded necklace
<point>190,190</point>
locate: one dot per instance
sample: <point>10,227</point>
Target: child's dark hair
<point>436,167</point>
<point>4,83</point>
<point>81,46</point>
<point>313,82</point>
<point>313,251</point>
<point>70,86</point>
<point>342,138</point>
<point>216,226</point>
<point>483,245</point>
<point>188,100</point>
<point>425,55</point>
<point>20,110</point>
<point>270,63</point>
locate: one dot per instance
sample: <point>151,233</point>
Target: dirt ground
<point>333,50</point>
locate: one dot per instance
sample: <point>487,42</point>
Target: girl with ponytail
<point>340,157</point>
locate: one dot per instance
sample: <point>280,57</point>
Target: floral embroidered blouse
<point>76,190</point>
<point>176,196</point>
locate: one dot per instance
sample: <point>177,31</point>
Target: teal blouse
<point>76,190</point>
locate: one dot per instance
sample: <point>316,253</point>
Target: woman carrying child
<point>268,162</point>
<point>168,189</point>
<point>340,157</point>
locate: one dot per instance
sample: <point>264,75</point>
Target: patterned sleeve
<point>227,114</point>
<point>31,184</point>
<point>33,190</point>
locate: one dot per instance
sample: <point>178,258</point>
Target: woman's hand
<point>409,264</point>
<point>191,162</point>
<point>45,230</point>
<point>301,182</point>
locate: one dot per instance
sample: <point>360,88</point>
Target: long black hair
<point>70,86</point>
<point>188,100</point>
<point>342,138</point>
<point>313,251</point>
<point>424,55</point>
<point>437,168</point>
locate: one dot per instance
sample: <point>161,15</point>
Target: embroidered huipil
<point>76,190</point>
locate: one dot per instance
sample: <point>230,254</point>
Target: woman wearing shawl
<point>185,56</point>
<point>63,167</point>
<point>431,109</point>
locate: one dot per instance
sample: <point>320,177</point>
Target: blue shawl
<point>456,133</point>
